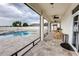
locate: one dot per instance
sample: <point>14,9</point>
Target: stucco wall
<point>67,22</point>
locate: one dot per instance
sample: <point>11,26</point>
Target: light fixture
<point>52,4</point>
<point>55,17</point>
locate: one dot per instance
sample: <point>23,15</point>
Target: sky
<point>17,12</point>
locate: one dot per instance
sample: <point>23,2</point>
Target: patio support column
<point>49,27</point>
<point>42,28</point>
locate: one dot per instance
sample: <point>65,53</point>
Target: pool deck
<point>12,44</point>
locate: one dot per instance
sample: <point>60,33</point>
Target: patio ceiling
<point>58,9</point>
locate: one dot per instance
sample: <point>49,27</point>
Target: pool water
<point>14,34</point>
<point>20,33</point>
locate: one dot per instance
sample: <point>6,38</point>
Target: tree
<point>16,24</point>
<point>25,24</point>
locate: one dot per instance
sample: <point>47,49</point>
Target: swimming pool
<point>20,33</point>
<point>14,34</point>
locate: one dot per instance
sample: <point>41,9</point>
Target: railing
<point>33,44</point>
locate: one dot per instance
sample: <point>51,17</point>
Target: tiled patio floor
<point>50,47</point>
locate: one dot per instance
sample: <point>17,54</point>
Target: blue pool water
<point>20,33</point>
<point>14,34</point>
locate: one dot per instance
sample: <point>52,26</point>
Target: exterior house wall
<point>67,23</point>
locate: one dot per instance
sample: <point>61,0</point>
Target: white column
<point>42,28</point>
<point>49,27</point>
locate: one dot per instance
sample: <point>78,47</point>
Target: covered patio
<point>49,45</point>
<point>60,19</point>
